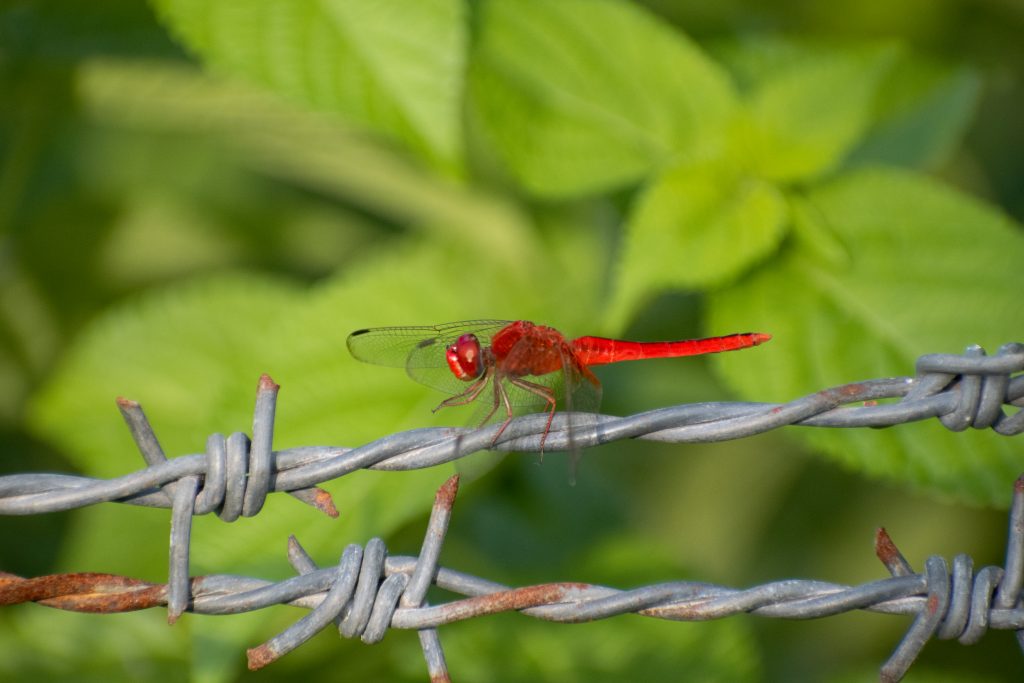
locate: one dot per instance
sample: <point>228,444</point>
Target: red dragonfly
<point>523,364</point>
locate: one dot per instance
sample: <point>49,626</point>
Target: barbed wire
<point>369,591</point>
<point>235,475</point>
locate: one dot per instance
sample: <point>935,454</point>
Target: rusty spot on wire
<point>890,555</point>
<point>844,393</point>
<point>446,494</point>
<point>855,389</point>
<point>885,549</point>
<point>259,657</point>
<point>322,501</point>
<point>267,384</point>
<point>83,592</point>
<point>514,599</point>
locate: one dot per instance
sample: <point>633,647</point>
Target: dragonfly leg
<point>467,396</point>
<point>500,397</point>
<point>546,394</point>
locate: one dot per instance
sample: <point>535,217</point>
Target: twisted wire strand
<point>368,592</point>
<point>235,474</point>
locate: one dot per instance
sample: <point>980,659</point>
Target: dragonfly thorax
<point>465,357</point>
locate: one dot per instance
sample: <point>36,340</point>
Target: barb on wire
<point>369,591</point>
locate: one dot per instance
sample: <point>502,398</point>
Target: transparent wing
<point>421,349</point>
<point>583,396</point>
<point>393,345</point>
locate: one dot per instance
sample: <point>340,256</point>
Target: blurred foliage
<point>192,193</point>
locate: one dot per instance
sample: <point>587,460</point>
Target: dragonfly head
<point>464,357</point>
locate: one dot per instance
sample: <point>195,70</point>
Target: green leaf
<point>698,226</point>
<point>393,66</point>
<point>50,645</point>
<point>804,115</point>
<point>297,147</point>
<point>576,106</point>
<point>62,32</point>
<point>924,269</point>
<point>922,112</point>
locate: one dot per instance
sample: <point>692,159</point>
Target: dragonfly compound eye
<point>464,357</point>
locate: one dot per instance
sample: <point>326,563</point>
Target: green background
<point>192,193</point>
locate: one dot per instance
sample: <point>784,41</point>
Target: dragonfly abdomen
<point>599,350</point>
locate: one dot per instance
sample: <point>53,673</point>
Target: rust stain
<point>83,592</point>
<point>889,555</point>
<point>515,599</point>
<point>849,390</point>
<point>131,601</point>
<point>885,549</point>
<point>446,494</point>
<point>267,384</point>
<point>259,657</point>
<point>843,394</point>
<point>323,502</point>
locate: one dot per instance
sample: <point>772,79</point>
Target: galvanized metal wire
<point>368,591</point>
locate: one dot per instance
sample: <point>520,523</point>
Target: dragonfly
<point>510,364</point>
